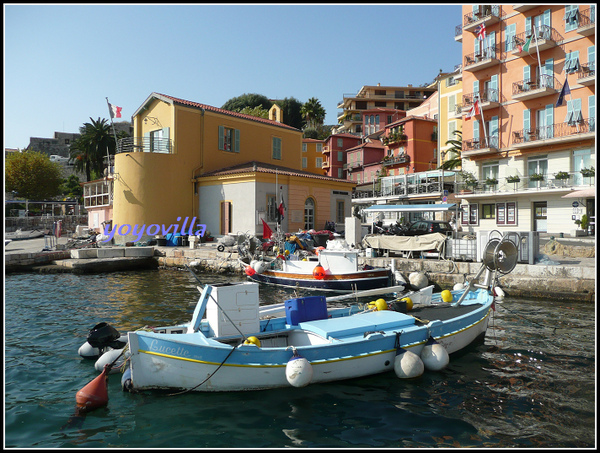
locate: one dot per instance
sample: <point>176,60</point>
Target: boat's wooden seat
<point>358,324</point>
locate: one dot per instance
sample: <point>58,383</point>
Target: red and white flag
<point>474,110</point>
<point>481,32</point>
<point>115,112</point>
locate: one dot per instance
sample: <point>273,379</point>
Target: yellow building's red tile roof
<point>261,167</point>
<point>210,108</point>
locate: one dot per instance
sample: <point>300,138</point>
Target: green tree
<point>455,160</point>
<point>90,149</point>
<point>290,108</point>
<point>31,175</point>
<point>313,112</point>
<point>251,100</point>
<point>255,111</point>
<point>71,188</point>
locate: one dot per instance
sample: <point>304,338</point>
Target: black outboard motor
<point>103,335</point>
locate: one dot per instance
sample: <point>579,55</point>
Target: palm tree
<point>455,148</point>
<point>90,149</point>
<point>313,112</point>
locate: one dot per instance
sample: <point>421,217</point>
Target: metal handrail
<point>145,144</point>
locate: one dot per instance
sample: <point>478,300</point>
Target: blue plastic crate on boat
<point>304,309</point>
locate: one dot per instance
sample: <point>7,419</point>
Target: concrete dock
<point>570,275</point>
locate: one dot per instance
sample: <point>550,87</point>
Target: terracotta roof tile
<point>262,167</point>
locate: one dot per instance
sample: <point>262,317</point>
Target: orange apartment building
<point>530,145</point>
<point>312,155</point>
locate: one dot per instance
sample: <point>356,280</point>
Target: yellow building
<point>159,171</point>
<point>450,113</point>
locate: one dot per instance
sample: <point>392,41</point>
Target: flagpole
<point>110,114</point>
<point>483,121</point>
<point>537,48</point>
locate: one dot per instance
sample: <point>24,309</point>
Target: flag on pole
<point>267,232</point>
<point>525,48</point>
<point>481,32</point>
<point>115,112</point>
<point>474,110</point>
<point>281,208</point>
<point>565,90</point>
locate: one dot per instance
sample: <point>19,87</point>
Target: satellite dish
<point>500,255</point>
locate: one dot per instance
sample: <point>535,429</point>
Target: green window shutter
<point>526,123</point>
<point>237,141</point>
<point>549,121</point>
<point>494,139</point>
<point>511,31</point>
<point>526,74</point>
<point>221,138</point>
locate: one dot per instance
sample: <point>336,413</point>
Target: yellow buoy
<point>447,296</point>
<point>409,303</point>
<point>381,304</point>
<point>252,340</point>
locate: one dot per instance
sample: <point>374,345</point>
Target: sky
<point>62,61</point>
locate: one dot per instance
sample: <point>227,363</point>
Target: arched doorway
<point>309,214</point>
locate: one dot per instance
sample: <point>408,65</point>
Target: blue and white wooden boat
<point>232,344</point>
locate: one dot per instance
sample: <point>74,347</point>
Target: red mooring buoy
<point>94,394</point>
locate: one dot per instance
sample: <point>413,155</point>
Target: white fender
<point>407,364</point>
<point>458,286</point>
<point>88,352</point>
<point>499,293</point>
<point>418,280</point>
<point>126,384</point>
<point>298,371</point>
<point>109,357</point>
<point>260,267</point>
<point>434,356</point>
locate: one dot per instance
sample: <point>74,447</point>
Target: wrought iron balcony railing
<point>556,130</point>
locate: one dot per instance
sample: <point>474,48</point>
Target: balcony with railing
<point>488,99</point>
<point>350,166</point>
<point>458,33</point>
<point>479,146</point>
<point>389,161</point>
<point>558,182</point>
<point>483,58</point>
<point>146,145</point>
<point>586,23</point>
<point>544,37</point>
<point>484,14</point>
<point>577,129</point>
<point>587,74</point>
<point>543,85</point>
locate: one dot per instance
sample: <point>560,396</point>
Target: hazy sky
<point>61,62</point>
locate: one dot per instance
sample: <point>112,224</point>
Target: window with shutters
<point>229,139</point>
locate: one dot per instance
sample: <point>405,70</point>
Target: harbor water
<point>529,384</point>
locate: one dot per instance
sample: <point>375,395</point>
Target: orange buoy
<point>250,271</point>
<point>319,272</point>
<point>94,394</point>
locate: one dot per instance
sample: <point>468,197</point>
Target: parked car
<point>428,226</point>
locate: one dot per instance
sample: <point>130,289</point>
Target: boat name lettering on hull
<point>170,350</point>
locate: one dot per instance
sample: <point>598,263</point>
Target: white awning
<point>411,207</point>
<point>582,193</point>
